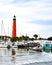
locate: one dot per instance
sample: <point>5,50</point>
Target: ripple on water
<point>25,58</point>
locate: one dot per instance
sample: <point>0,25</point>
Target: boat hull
<point>36,49</point>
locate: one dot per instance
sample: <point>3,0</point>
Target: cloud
<point>26,13</point>
<point>5,2</point>
<point>32,10</point>
<point>31,29</point>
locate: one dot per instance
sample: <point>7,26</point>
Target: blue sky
<point>33,17</point>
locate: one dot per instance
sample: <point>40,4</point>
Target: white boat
<point>37,48</point>
<point>11,44</point>
<point>14,45</point>
<point>2,44</point>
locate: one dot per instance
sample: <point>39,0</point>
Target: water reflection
<point>2,51</point>
<point>13,52</point>
<point>14,56</point>
<point>48,51</point>
<point>13,60</point>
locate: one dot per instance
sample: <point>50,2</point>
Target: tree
<point>35,35</point>
<point>24,37</point>
<point>50,38</point>
<point>32,39</point>
<point>14,39</point>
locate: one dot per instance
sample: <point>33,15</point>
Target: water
<point>23,57</point>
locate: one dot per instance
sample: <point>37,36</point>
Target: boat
<point>11,44</point>
<point>2,44</point>
<point>2,41</point>
<point>47,45</point>
<point>37,48</point>
<point>14,45</point>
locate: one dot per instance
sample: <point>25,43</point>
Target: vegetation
<point>20,38</point>
<point>35,37</point>
<point>50,38</point>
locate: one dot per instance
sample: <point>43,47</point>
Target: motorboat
<point>11,44</point>
<point>47,45</point>
<point>2,44</point>
<point>37,48</point>
<point>14,45</point>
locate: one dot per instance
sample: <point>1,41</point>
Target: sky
<point>32,17</point>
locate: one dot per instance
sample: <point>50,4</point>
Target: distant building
<point>14,27</point>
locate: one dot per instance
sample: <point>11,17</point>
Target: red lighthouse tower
<point>14,27</point>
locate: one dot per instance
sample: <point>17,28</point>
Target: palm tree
<point>35,35</point>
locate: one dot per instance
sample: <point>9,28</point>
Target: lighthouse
<point>14,27</point>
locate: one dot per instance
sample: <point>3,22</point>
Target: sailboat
<point>11,44</point>
<point>2,42</point>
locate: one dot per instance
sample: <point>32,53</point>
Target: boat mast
<point>2,29</point>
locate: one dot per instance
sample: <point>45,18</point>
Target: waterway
<point>23,57</point>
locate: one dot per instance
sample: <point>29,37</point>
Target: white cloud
<point>26,12</point>
<point>4,2</point>
<point>29,10</point>
<point>31,29</point>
